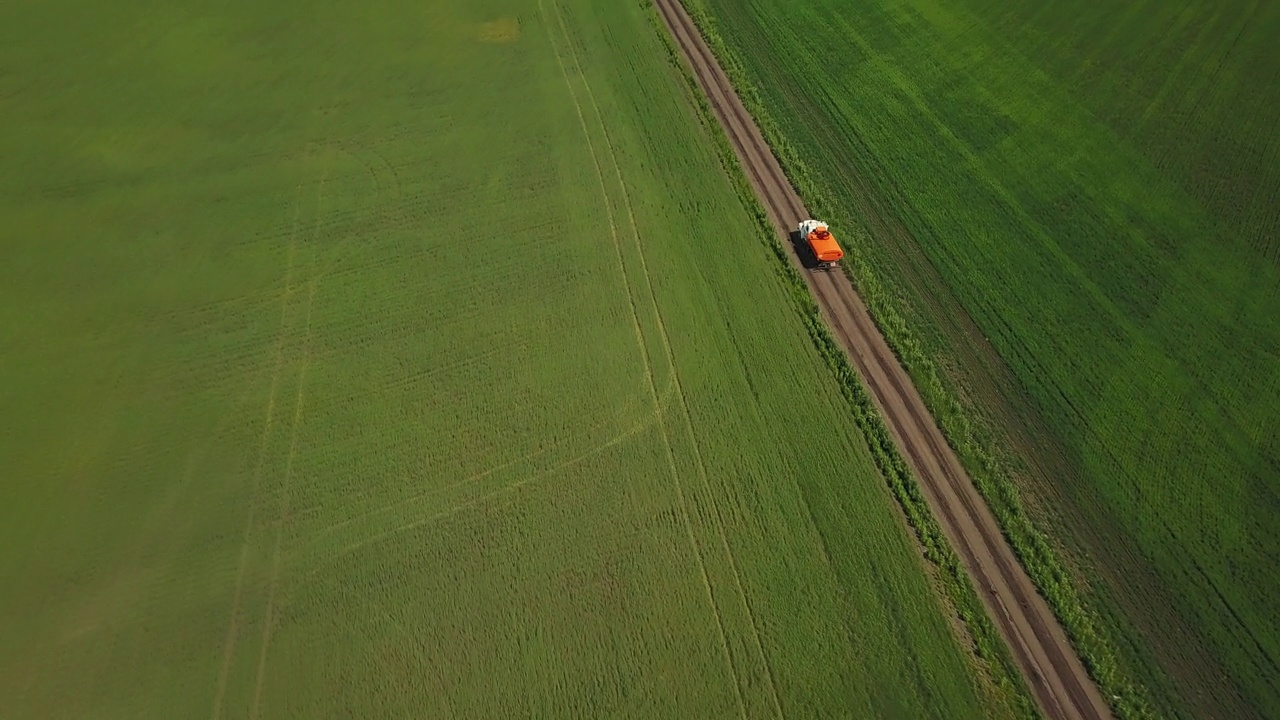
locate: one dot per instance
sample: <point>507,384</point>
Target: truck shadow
<point>807,259</point>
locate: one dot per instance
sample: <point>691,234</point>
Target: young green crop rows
<point>403,359</point>
<point>1066,217</point>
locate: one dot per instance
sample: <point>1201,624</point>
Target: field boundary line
<point>274,581</point>
<point>644,354</point>
<point>233,625</point>
<point>675,378</point>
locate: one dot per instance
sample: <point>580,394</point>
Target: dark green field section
<point>404,359</point>
<point>1070,213</point>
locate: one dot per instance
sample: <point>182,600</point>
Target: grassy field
<point>389,359</point>
<point>1066,217</point>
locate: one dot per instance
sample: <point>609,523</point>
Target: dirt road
<point>1037,642</point>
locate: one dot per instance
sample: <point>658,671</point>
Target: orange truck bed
<point>824,245</point>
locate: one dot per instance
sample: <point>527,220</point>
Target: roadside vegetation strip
<point>998,665</point>
<point>1053,580</point>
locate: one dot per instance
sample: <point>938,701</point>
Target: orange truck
<point>823,244</point>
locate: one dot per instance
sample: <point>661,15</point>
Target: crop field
<point>397,359</point>
<point>1067,218</point>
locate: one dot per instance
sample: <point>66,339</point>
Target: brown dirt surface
<point>1058,680</point>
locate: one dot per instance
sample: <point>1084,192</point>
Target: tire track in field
<point>466,504</point>
<point>644,423</point>
<point>233,622</point>
<point>1040,648</point>
<point>391,196</point>
<point>717,517</point>
<point>644,354</point>
<point>274,581</point>
<point>614,441</point>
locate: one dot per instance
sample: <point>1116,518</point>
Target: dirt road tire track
<point>1039,646</point>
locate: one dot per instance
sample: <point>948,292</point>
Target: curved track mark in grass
<point>453,510</point>
<point>233,622</point>
<point>635,319</point>
<point>638,428</point>
<point>404,503</point>
<point>675,379</point>
<point>378,172</point>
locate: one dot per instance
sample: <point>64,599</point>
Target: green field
<point>402,359</point>
<point>1067,217</point>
